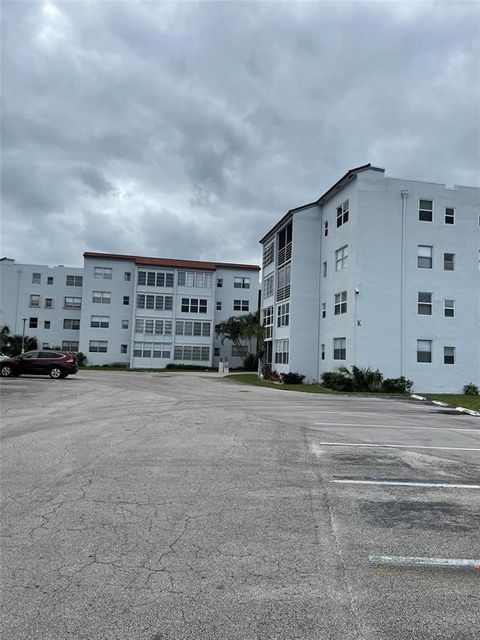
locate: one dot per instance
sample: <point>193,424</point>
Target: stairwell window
<point>341,258</point>
<point>424,351</point>
<point>425,256</point>
<point>424,303</point>
<point>425,210</point>
<point>342,213</point>
<point>340,303</point>
<point>339,348</point>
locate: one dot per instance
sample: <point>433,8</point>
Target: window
<point>322,351</point>
<point>152,349</point>
<point>268,286</point>
<point>268,322</point>
<point>241,305</point>
<point>126,300</point>
<point>449,261</point>
<point>194,279</point>
<point>69,345</point>
<point>216,352</point>
<point>341,258</point>
<point>46,324</point>
<point>324,269</point>
<point>340,303</point>
<point>342,214</point>
<point>191,328</point>
<point>449,215</point>
<point>425,210</point>
<point>98,346</point>
<point>339,348</point>
<point>155,278</point>
<point>74,281</point>
<point>48,303</point>
<point>50,280</point>
<point>150,301</point>
<point>195,353</point>
<point>127,276</point>
<point>239,351</point>
<point>36,278</point>
<point>324,309</point>
<point>424,303</point>
<point>72,303</point>
<point>102,297</point>
<point>104,273</point>
<point>194,305</point>
<point>283,314</point>
<point>325,228</point>
<point>424,350</point>
<point>124,324</point>
<point>218,306</point>
<point>281,351</point>
<point>268,254</point>
<point>449,309</point>
<point>34,300</point>
<point>101,322</point>
<point>425,259</point>
<point>283,282</point>
<point>241,283</point>
<point>71,323</point>
<point>123,348</point>
<point>448,355</point>
<point>153,326</point>
<point>33,323</point>
<point>219,282</point>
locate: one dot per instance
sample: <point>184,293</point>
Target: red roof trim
<point>171,262</point>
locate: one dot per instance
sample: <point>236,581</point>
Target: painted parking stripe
<point>409,483</point>
<point>389,426</point>
<point>413,561</point>
<point>394,446</point>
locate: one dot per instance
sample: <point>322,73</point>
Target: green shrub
<point>470,389</point>
<point>337,381</point>
<point>292,378</point>
<point>81,358</point>
<point>397,385</point>
<point>250,362</point>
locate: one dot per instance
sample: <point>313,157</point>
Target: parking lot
<point>157,506</point>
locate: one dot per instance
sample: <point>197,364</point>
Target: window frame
<point>340,348</point>
<point>423,211</point>
<point>424,303</point>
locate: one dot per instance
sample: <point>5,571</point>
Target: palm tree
<point>242,331</point>
<point>4,333</point>
<point>30,344</point>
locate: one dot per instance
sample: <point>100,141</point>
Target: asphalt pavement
<point>151,506</point>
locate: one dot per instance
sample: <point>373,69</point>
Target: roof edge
<point>172,262</point>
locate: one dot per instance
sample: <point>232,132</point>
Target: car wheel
<point>6,370</point>
<point>56,372</point>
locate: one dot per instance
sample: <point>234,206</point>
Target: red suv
<point>56,364</point>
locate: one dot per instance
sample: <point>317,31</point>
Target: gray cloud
<point>186,130</point>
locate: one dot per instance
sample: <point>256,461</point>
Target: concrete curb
<point>439,403</point>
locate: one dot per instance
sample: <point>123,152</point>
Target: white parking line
<point>385,426</point>
<point>409,483</point>
<point>413,561</point>
<point>394,446</point>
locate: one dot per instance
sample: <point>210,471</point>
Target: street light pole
<point>23,335</point>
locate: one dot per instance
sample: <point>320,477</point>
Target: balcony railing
<point>284,254</point>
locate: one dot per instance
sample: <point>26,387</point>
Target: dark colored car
<point>56,364</point>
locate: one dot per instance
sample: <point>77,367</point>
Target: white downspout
<point>404,194</point>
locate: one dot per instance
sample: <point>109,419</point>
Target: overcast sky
<point>187,129</point>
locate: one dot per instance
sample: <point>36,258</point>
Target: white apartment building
<point>48,298</point>
<point>379,272</point>
<point>131,310</point>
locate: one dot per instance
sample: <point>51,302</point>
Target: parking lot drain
<point>408,483</point>
<point>413,561</point>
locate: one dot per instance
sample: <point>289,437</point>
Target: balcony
<point>284,254</point>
